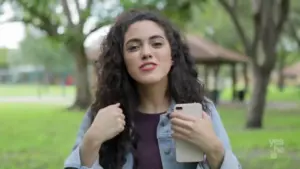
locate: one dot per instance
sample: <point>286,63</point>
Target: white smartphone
<point>185,151</point>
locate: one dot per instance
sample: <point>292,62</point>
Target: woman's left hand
<point>199,131</point>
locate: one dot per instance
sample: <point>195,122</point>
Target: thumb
<point>205,115</point>
<point>117,104</point>
<point>114,105</point>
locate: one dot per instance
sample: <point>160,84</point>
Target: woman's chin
<point>150,80</point>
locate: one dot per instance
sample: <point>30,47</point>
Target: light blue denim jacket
<point>166,146</point>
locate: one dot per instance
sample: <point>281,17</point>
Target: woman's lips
<point>148,66</point>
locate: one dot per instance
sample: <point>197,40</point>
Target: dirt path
<point>35,99</point>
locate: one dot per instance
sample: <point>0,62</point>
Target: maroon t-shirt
<point>148,155</point>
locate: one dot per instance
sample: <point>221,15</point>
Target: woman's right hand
<point>109,122</point>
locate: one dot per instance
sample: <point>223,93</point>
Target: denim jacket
<point>165,143</point>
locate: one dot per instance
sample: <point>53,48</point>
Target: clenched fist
<point>108,123</point>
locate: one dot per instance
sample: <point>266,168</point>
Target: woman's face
<point>147,52</point>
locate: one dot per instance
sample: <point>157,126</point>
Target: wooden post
<point>206,71</point>
<point>216,92</point>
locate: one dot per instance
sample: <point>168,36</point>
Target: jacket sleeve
<point>230,161</point>
<point>73,161</point>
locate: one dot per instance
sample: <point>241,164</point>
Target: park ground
<point>38,135</point>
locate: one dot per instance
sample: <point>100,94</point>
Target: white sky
<point>11,34</point>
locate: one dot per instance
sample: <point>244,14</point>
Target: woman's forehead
<point>144,30</point>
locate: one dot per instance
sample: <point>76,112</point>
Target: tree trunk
<point>258,99</point>
<point>83,95</point>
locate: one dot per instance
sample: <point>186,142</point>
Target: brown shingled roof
<point>206,51</point>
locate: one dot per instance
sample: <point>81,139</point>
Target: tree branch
<point>257,24</point>
<point>233,4</point>
<point>283,14</point>
<point>67,12</point>
<point>77,6</point>
<point>89,4</point>
<point>46,25</point>
<point>256,34</point>
<point>237,24</point>
<point>84,14</point>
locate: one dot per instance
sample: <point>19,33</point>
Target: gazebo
<point>213,56</point>
<point>292,72</point>
<point>206,53</point>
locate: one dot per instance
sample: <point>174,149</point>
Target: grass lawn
<point>34,90</point>
<point>289,94</point>
<point>41,136</point>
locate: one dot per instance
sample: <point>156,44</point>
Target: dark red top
<point>148,155</point>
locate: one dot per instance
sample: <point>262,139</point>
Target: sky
<point>11,34</point>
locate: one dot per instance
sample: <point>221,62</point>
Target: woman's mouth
<point>148,66</point>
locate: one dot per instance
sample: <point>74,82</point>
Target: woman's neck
<point>154,97</point>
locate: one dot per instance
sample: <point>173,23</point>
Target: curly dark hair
<point>115,85</point>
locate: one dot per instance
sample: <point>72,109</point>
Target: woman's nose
<point>146,56</point>
<point>146,52</point>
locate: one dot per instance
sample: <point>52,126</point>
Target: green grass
<point>35,136</point>
<point>34,90</point>
<point>289,94</point>
<point>41,136</point>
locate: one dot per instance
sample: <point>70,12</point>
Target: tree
<point>50,54</point>
<point>268,18</point>
<point>294,22</point>
<point>179,11</point>
<point>215,29</point>
<point>290,42</point>
<point>285,48</point>
<point>66,22</point>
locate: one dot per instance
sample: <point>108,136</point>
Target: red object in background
<point>69,80</point>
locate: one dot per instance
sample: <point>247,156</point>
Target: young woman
<point>144,69</point>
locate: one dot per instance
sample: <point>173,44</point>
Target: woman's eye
<point>157,44</point>
<point>132,48</point>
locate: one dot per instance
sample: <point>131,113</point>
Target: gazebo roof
<point>206,51</point>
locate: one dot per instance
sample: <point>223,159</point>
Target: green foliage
<point>51,16</point>
<point>179,11</point>
<point>46,52</point>
<point>212,22</point>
